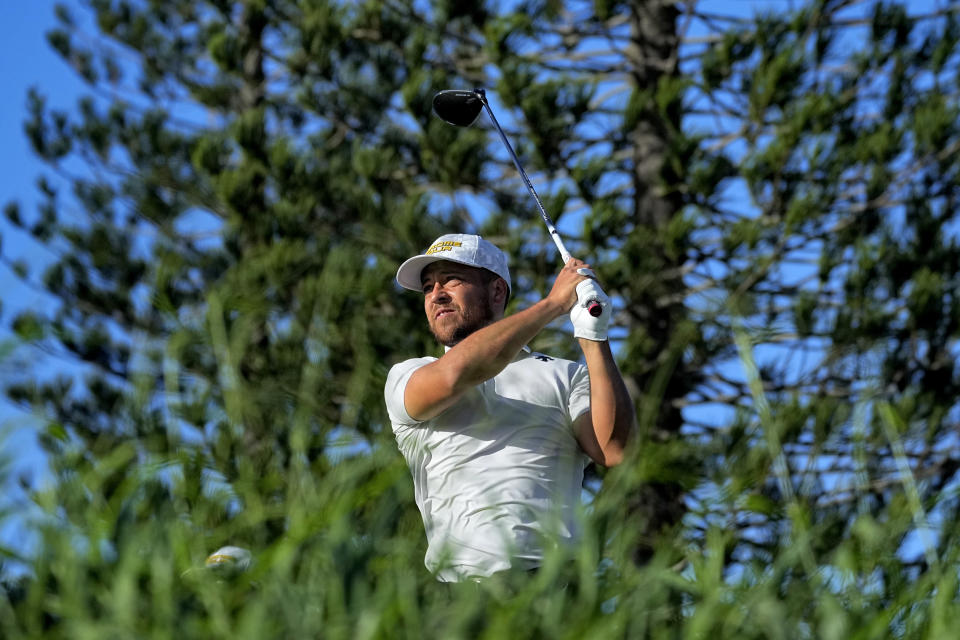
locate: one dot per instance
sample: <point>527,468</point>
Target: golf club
<point>461,108</point>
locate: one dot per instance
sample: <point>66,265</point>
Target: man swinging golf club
<point>497,437</point>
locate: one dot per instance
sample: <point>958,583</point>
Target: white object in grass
<point>229,560</point>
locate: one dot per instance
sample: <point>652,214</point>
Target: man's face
<point>456,301</point>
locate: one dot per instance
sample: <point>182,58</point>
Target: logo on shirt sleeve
<point>542,358</point>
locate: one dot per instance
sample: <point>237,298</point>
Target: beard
<point>470,320</point>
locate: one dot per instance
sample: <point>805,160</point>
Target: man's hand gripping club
<point>590,297</point>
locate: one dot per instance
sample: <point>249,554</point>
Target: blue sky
<point>25,60</point>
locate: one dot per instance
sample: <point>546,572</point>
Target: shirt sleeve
<point>397,380</point>
<point>578,400</point>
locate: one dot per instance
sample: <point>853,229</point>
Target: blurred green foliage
<point>772,203</point>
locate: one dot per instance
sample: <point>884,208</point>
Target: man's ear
<point>499,294</point>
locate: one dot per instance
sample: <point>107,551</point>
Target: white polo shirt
<point>498,475</point>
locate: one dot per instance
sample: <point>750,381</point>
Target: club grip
<point>594,308</point>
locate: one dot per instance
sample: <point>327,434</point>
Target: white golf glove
<point>584,324</point>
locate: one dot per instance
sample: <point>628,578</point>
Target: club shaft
<point>593,307</point>
<point>564,254</point>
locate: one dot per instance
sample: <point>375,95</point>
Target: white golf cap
<point>456,247</point>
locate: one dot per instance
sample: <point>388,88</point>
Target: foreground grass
<point>338,551</point>
<point>349,565</point>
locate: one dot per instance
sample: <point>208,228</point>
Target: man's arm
<point>604,430</point>
<point>483,354</point>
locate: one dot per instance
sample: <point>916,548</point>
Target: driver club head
<point>458,107</point>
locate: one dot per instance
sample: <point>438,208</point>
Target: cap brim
<point>408,275</point>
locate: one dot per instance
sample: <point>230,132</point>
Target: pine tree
<point>226,250</point>
<point>770,199</point>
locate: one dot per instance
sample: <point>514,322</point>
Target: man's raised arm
<point>604,430</point>
<point>484,353</point>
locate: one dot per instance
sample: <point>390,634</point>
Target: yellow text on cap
<point>447,245</point>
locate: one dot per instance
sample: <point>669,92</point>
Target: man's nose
<point>436,293</point>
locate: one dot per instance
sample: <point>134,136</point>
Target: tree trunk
<point>656,306</point>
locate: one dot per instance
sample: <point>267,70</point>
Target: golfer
<point>497,436</point>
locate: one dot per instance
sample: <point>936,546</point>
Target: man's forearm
<point>484,353</point>
<point>611,407</point>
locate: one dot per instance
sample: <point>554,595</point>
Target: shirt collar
<point>525,349</point>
